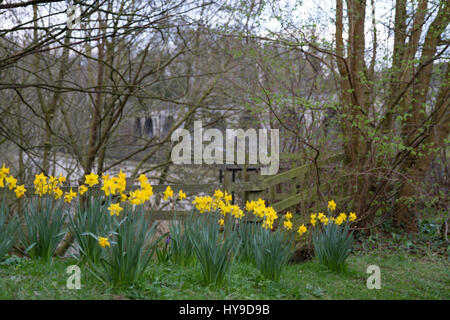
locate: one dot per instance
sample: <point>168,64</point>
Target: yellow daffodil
<point>40,179</point>
<point>58,193</point>
<point>109,187</point>
<point>321,216</point>
<point>11,182</point>
<point>61,179</point>
<point>52,180</point>
<point>288,215</point>
<point>218,194</point>
<point>103,242</point>
<point>147,190</point>
<point>288,225</point>
<point>301,230</point>
<point>332,205</point>
<point>138,197</point>
<point>352,217</point>
<point>250,206</point>
<point>121,184</point>
<point>20,191</point>
<point>227,197</point>
<point>181,195</point>
<point>224,209</point>
<point>168,193</point>
<point>135,201</point>
<point>121,175</point>
<point>271,214</point>
<point>91,179</point>
<point>82,189</point>
<point>261,203</point>
<point>205,203</point>
<point>41,189</point>
<point>237,212</point>
<point>114,209</point>
<point>4,171</point>
<point>221,222</point>
<point>339,220</point>
<point>69,196</point>
<point>142,178</point>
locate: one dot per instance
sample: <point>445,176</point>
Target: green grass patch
<point>403,276</point>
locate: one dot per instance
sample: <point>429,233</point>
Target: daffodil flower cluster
<point>332,238</point>
<point>287,222</point>
<point>51,186</point>
<point>203,204</point>
<point>338,220</point>
<point>323,218</point>
<point>11,182</point>
<point>115,184</point>
<point>234,210</point>
<point>141,195</point>
<point>69,196</point>
<point>259,209</point>
<point>220,201</point>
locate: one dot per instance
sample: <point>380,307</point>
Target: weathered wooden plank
<point>288,202</point>
<point>282,196</point>
<point>247,186</point>
<point>272,194</point>
<point>296,172</point>
<point>285,176</point>
<point>255,195</point>
<point>302,196</point>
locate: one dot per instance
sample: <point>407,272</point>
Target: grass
<point>403,276</point>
